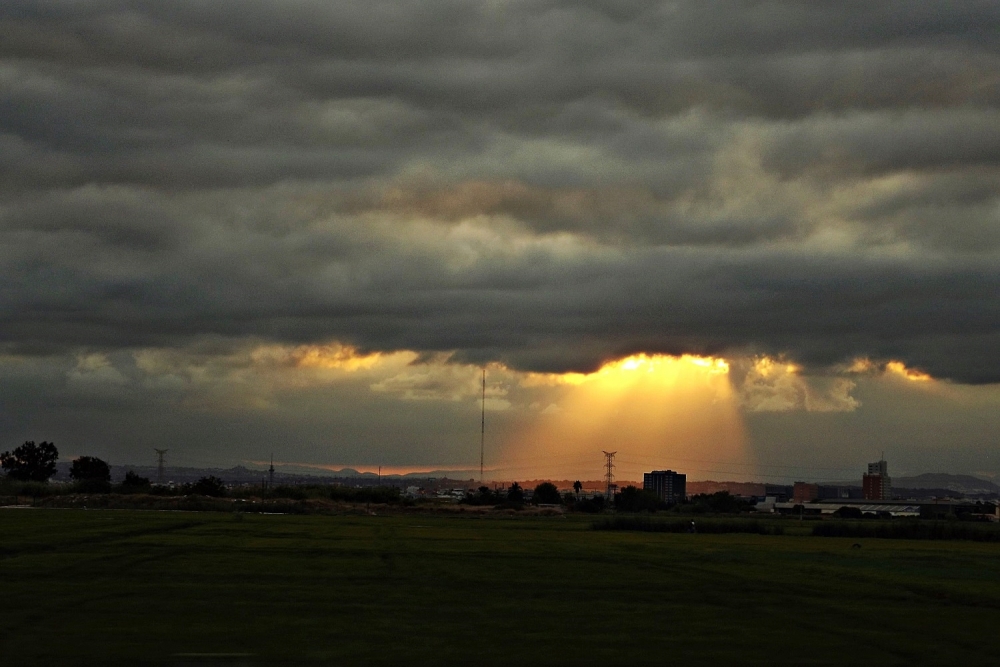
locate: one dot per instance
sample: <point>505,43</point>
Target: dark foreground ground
<point>172,588</point>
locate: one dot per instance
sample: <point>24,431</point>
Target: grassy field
<point>122,587</point>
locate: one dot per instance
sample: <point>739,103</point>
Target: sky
<point>742,240</point>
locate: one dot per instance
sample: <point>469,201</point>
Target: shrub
<point>849,513</point>
<point>368,494</point>
<point>133,483</point>
<point>509,505</point>
<point>290,492</point>
<point>485,496</point>
<point>593,505</point>
<point>909,530</point>
<point>36,490</point>
<point>92,486</point>
<point>208,486</point>
<point>721,502</point>
<point>634,499</point>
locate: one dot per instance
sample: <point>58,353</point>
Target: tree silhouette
<point>634,499</point>
<point>90,468</point>
<point>578,486</point>
<point>134,483</point>
<point>31,462</point>
<point>546,493</point>
<point>515,493</point>
<point>209,486</point>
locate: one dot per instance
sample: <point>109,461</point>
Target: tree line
<point>36,463</point>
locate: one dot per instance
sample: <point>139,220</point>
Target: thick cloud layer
<point>545,184</point>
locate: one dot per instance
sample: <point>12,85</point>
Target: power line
<point>737,463</point>
<point>632,460</point>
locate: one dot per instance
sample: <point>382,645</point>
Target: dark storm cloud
<point>547,184</point>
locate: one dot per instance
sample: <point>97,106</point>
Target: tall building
<point>670,486</point>
<point>877,485</point>
<point>879,468</point>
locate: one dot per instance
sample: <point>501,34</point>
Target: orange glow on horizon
<point>373,469</point>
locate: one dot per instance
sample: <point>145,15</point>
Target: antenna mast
<point>159,464</point>
<point>270,474</point>
<point>482,432</point>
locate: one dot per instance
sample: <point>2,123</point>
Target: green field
<point>126,587</point>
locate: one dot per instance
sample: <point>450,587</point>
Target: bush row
<point>646,524</point>
<point>909,530</point>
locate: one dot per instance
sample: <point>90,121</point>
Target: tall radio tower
<point>609,474</point>
<point>159,464</point>
<point>270,474</point>
<point>482,431</point>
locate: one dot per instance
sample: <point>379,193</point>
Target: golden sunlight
<point>334,356</point>
<point>899,368</point>
<point>863,365</point>
<point>657,411</point>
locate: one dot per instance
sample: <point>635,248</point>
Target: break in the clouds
<point>541,185</point>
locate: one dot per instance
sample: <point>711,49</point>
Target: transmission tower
<point>159,464</point>
<point>609,474</point>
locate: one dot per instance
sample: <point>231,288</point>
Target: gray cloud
<point>545,184</point>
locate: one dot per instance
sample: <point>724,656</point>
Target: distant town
<point>875,493</point>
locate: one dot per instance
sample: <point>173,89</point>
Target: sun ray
<point>648,407</point>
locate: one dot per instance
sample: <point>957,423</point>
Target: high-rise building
<point>879,468</point>
<point>670,486</point>
<point>877,485</point>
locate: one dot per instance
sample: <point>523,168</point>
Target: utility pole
<point>482,432</point>
<point>609,475</point>
<point>159,464</point>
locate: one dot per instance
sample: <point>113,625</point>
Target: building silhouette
<point>803,492</point>
<point>877,485</point>
<point>670,486</point>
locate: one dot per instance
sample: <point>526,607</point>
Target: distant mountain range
<point>964,484</point>
<point>929,483</point>
<point>933,483</point>
<point>282,474</point>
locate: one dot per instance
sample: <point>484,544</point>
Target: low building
<point>830,507</point>
<point>765,504</point>
<point>929,509</point>
<point>670,486</point>
<point>803,492</point>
